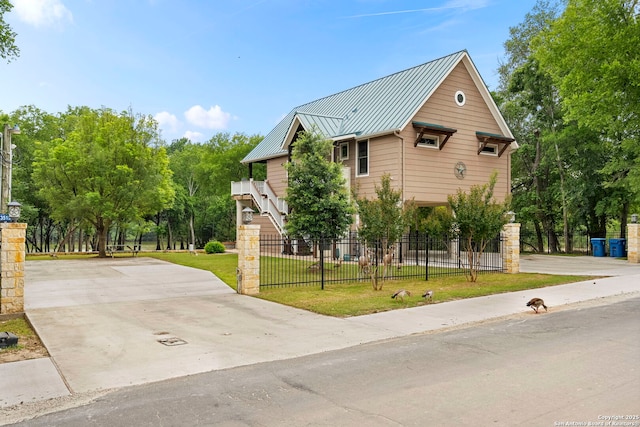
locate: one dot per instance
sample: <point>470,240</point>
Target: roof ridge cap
<point>380,78</point>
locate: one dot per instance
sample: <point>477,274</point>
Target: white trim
<point>342,137</point>
<point>340,156</point>
<point>435,138</point>
<point>291,132</point>
<point>494,147</point>
<point>464,98</point>
<point>358,174</point>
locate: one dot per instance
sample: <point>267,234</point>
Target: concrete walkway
<point>111,323</point>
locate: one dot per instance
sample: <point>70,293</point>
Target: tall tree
<point>317,195</point>
<point>184,163</point>
<point>592,53</point>
<point>218,167</point>
<point>35,125</point>
<point>530,104</point>
<point>8,48</point>
<point>109,169</point>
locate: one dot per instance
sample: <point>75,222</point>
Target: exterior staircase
<point>264,199</point>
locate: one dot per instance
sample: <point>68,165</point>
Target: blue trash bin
<point>598,246</point>
<point>617,248</point>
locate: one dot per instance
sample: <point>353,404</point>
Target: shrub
<point>214,248</point>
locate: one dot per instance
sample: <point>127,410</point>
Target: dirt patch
<point>29,344</point>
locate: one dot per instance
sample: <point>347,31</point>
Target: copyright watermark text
<point>605,421</point>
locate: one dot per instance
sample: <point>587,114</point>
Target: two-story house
<point>434,128</point>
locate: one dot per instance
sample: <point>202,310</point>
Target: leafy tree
<point>204,209</point>
<point>316,195</point>
<point>383,220</point>
<point>8,48</point>
<point>592,53</point>
<point>221,161</point>
<point>218,167</point>
<point>478,219</point>
<point>439,222</point>
<point>107,170</point>
<point>35,125</point>
<point>558,171</point>
<point>530,104</point>
<point>184,163</point>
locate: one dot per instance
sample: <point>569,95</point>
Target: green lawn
<point>357,298</point>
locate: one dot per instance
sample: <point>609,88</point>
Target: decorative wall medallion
<point>460,170</point>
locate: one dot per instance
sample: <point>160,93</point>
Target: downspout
<point>397,134</point>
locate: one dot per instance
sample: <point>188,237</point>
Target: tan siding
<point>384,158</point>
<point>429,173</point>
<point>277,176</point>
<point>266,226</point>
<point>349,162</point>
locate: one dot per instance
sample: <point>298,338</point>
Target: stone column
<point>633,243</point>
<point>511,248</point>
<point>248,245</point>
<point>12,255</point>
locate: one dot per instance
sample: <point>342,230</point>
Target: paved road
<point>568,366</point>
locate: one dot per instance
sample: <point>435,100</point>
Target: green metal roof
<point>432,125</point>
<point>380,106</point>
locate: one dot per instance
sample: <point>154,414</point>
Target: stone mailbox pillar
<point>633,243</point>
<point>12,255</point>
<point>248,245</point>
<point>511,248</point>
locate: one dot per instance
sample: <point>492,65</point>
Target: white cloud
<point>214,118</point>
<point>42,13</point>
<point>194,136</point>
<point>463,5</point>
<point>167,121</point>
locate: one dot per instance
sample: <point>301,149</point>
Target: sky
<point>201,67</point>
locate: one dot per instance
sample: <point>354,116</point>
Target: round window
<point>460,98</point>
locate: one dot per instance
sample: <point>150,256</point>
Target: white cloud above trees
<point>42,13</point>
<point>167,121</point>
<point>213,118</point>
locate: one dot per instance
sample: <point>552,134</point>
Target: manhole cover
<point>172,341</point>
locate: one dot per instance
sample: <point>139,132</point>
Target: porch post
<point>12,255</point>
<point>511,248</point>
<point>248,273</point>
<point>633,243</point>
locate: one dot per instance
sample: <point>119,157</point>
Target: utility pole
<point>7,160</point>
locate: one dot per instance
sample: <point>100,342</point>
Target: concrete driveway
<point>117,322</point>
<point>577,265</point>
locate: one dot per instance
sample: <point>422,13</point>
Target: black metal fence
<point>300,262</point>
